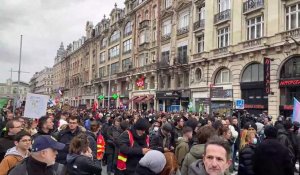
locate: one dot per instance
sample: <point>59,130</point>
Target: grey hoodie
<point>13,151</point>
<point>197,168</point>
<point>154,160</point>
<point>195,153</point>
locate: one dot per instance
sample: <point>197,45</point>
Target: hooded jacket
<point>195,153</point>
<point>11,159</point>
<point>181,150</point>
<point>6,142</point>
<point>151,164</point>
<point>197,168</point>
<point>82,165</point>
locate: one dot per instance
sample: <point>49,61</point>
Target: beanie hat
<point>167,127</point>
<point>154,160</point>
<point>142,124</point>
<point>270,132</point>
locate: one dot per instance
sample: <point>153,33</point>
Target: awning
<point>148,98</point>
<point>132,99</point>
<point>139,99</point>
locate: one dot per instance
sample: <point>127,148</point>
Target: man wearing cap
<point>134,143</point>
<point>42,158</point>
<point>163,141</point>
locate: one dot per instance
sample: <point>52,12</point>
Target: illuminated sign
<point>140,82</point>
<point>267,77</point>
<point>283,83</point>
<point>248,106</point>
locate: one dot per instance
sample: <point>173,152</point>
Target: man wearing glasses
<point>15,154</point>
<point>6,142</point>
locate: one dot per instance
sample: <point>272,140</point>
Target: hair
<point>79,143</point>
<point>124,125</point>
<point>187,129</point>
<point>42,121</point>
<point>220,141</point>
<point>204,133</point>
<point>245,135</point>
<point>74,117</point>
<point>223,130</point>
<point>21,134</point>
<point>10,124</point>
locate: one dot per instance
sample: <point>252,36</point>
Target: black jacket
<point>135,153</point>
<point>140,170</point>
<point>82,165</point>
<point>113,133</point>
<point>246,160</point>
<point>65,136</point>
<point>5,143</point>
<point>30,166</point>
<point>157,142</point>
<point>284,138</point>
<point>272,158</point>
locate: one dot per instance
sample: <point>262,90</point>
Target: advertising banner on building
<point>36,105</point>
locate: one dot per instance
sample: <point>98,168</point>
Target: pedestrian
<point>163,140</point>
<point>216,158</point>
<point>134,143</point>
<point>80,158</point>
<point>152,163</point>
<point>17,153</point>
<point>42,158</point>
<point>45,126</point>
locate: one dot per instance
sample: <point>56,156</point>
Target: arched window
<point>253,73</point>
<point>103,42</point>
<point>223,76</point>
<point>291,68</point>
<point>128,29</point>
<point>115,36</point>
<point>198,74</point>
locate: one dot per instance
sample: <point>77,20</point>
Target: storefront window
<point>291,68</point>
<point>223,77</point>
<point>253,73</point>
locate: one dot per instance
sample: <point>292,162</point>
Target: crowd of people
<point>128,142</point>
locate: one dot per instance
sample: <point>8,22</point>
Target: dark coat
<point>82,165</point>
<point>284,138</point>
<point>30,166</point>
<point>135,153</point>
<point>272,158</point>
<point>140,170</point>
<point>5,143</point>
<point>157,142</point>
<point>65,136</point>
<point>246,160</point>
<point>113,134</point>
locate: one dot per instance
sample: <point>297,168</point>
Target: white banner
<point>36,105</point>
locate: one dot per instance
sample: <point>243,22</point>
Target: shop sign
<point>284,83</point>
<point>140,83</point>
<point>219,92</point>
<point>249,106</point>
<point>288,107</point>
<point>267,77</point>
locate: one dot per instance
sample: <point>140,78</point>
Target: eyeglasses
<point>26,140</point>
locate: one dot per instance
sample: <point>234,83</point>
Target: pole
<point>19,72</point>
<point>109,73</point>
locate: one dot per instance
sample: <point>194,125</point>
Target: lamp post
<point>19,72</point>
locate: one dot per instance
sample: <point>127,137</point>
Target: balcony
<point>222,16</point>
<point>144,24</point>
<point>292,33</point>
<point>163,63</point>
<point>252,43</point>
<point>181,60</point>
<point>144,46</point>
<point>251,5</point>
<point>183,30</point>
<point>102,47</point>
<point>165,37</point>
<point>199,25</point>
<point>145,68</point>
<point>220,51</point>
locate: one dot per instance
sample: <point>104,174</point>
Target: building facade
<point>167,55</point>
<point>10,89</point>
<point>42,82</point>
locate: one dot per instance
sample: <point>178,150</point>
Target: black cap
<point>46,141</point>
<point>142,124</point>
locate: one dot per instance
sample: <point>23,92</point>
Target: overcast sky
<point>44,24</point>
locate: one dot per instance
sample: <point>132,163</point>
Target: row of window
<point>115,51</point>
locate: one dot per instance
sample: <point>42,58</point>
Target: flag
<point>296,111</point>
<point>95,105</point>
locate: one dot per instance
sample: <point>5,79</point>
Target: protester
<point>152,163</point>
<point>134,143</point>
<point>183,144</point>
<point>80,158</point>
<point>45,126</point>
<point>42,158</point>
<point>163,140</point>
<point>6,142</point>
<point>16,154</point>
<point>216,159</point>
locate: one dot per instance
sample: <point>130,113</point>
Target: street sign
<point>239,104</point>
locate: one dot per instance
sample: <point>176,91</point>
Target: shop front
<point>173,101</point>
<point>222,100</point>
<point>201,99</point>
<point>289,85</point>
